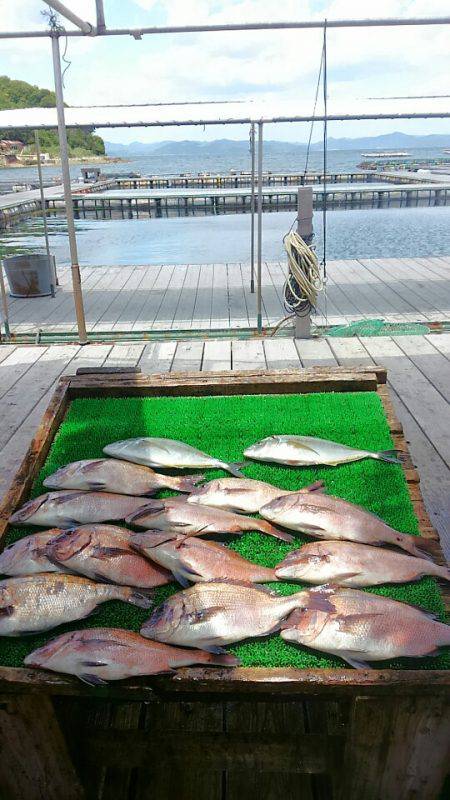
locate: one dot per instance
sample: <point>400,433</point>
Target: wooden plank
<point>6,350</point>
<point>123,292</point>
<point>16,364</point>
<point>122,355</point>
<point>201,317</point>
<point>188,356</point>
<point>236,297</point>
<point>220,311</point>
<point>281,354</point>
<point>132,307</point>
<point>248,354</point>
<point>34,761</point>
<point>285,719</point>
<point>155,300</point>
<point>397,748</point>
<point>431,363</point>
<point>216,355</point>
<point>393,285</point>
<point>118,778</point>
<point>313,352</point>
<point>143,298</point>
<point>441,342</point>
<point>423,401</point>
<point>349,352</point>
<point>165,316</point>
<point>157,357</point>
<point>182,319</point>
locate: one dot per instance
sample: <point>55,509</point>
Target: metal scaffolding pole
<point>84,26</point>
<point>252,211</point>
<point>4,306</point>
<point>62,135</point>
<point>101,27</point>
<point>260,208</point>
<point>44,210</point>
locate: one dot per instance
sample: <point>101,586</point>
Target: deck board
<point>217,296</point>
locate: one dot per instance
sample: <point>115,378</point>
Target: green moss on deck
<point>224,427</point>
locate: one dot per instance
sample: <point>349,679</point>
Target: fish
<point>27,556</point>
<point>213,614</point>
<point>70,508</point>
<point>167,454</point>
<point>103,553</point>
<point>365,627</point>
<point>35,603</point>
<point>240,494</point>
<point>299,451</point>
<point>114,475</point>
<point>176,515</point>
<point>352,564</point>
<point>191,559</point>
<point>99,655</point>
<point>327,517</point>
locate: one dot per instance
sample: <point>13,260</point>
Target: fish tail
<point>418,546</point>
<point>317,486</point>
<point>271,530</point>
<point>442,573</point>
<point>234,467</point>
<point>223,660</point>
<point>391,456</point>
<point>187,483</point>
<point>141,599</point>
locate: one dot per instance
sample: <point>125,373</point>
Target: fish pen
<point>288,720</point>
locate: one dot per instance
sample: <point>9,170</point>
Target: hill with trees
<point>19,94</point>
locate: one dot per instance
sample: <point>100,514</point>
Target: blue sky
<point>271,66</point>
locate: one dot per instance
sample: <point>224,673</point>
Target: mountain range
<point>386,141</point>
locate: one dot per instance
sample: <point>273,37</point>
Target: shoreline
<point>73,160</point>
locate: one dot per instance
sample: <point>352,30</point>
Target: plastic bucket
<point>30,275</point>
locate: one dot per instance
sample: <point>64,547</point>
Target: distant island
<point>218,147</point>
<point>82,142</point>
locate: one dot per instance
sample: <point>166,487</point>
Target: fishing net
<point>378,327</point>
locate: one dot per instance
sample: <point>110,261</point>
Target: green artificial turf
<point>224,427</point>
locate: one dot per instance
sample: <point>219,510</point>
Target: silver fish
<point>167,454</point>
<point>191,559</point>
<point>239,494</point>
<point>298,451</point>
<point>176,515</point>
<point>27,556</point>
<point>71,508</point>
<point>351,564</point>
<point>104,553</point>
<point>39,602</point>
<point>113,475</point>
<point>98,655</point>
<point>327,517</point>
<point>362,627</point>
<point>210,615</point>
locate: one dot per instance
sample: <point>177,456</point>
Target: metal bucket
<point>31,275</point>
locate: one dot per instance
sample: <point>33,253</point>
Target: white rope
<point>303,273</point>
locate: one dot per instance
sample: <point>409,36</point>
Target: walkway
<point>418,372</point>
<point>216,296</point>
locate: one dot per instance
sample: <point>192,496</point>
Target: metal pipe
<point>244,26</point>
<point>62,135</point>
<point>84,26</point>
<point>252,211</point>
<point>44,210</point>
<point>4,304</point>
<point>101,27</point>
<point>260,208</point>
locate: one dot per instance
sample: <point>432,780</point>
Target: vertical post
<point>252,210</point>
<point>260,205</point>
<point>100,16</point>
<point>4,304</point>
<point>62,135</point>
<point>302,324</point>
<point>44,211</point>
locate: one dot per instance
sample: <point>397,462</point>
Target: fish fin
<point>423,548</point>
<point>317,486</point>
<point>318,600</point>
<point>92,680</point>
<point>225,660</point>
<point>391,456</point>
<point>215,649</point>
<point>349,622</point>
<point>292,620</point>
<point>342,576</point>
<point>312,529</point>
<point>185,575</point>
<point>283,535</point>
<point>195,617</point>
<point>248,584</point>
<point>356,663</point>
<point>94,663</point>
<point>141,600</point>
<point>108,552</point>
<point>96,486</point>
<point>188,483</point>
<point>6,611</point>
<point>234,467</point>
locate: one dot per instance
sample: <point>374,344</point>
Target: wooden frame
<point>400,700</point>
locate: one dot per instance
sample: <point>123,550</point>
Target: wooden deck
<point>418,371</point>
<point>213,296</point>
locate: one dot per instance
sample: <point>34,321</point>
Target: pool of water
<point>374,233</point>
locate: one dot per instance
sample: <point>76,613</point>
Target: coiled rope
<point>303,280</point>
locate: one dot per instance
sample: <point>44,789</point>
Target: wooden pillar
<point>398,748</point>
<point>34,760</point>
<point>302,325</point>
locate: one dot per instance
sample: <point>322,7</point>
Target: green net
<point>378,327</point>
